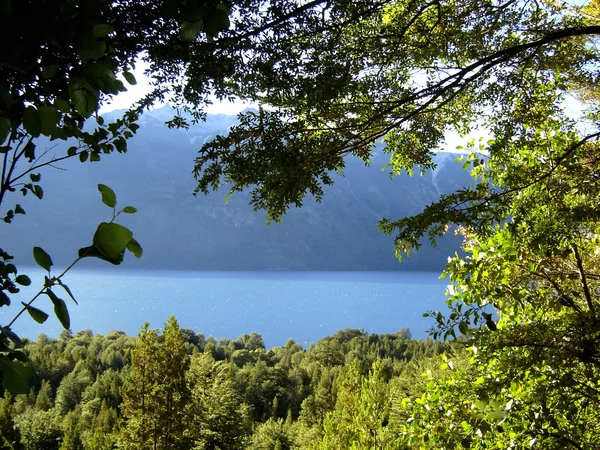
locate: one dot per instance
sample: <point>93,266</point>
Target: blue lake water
<point>304,306</point>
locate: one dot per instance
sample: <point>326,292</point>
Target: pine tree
<point>44,399</point>
<point>103,436</point>
<point>218,418</point>
<point>155,394</point>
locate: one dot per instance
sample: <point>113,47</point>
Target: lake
<point>304,306</point>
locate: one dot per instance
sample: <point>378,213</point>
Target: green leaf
<point>4,129</point>
<point>129,210</point>
<point>490,324</point>
<point>79,99</point>
<point>49,71</point>
<point>83,96</point>
<point>120,144</point>
<point>103,30</point>
<point>83,156</point>
<point>130,78</point>
<point>20,356</point>
<point>62,105</point>
<point>94,157</point>
<point>93,252</point>
<point>49,117</point>
<point>91,48</point>
<point>6,100</point>
<point>463,327</point>
<point>23,280</point>
<point>111,239</point>
<point>221,18</point>
<point>35,177</point>
<point>32,122</point>
<point>223,7</point>
<point>29,151</point>
<point>135,248</point>
<point>189,31</point>
<point>4,299</point>
<point>38,191</point>
<point>109,198</point>
<point>42,258</point>
<point>15,375</point>
<point>66,288</point>
<point>12,336</point>
<point>72,151</point>
<point>38,315</point>
<point>19,209</point>
<point>60,309</point>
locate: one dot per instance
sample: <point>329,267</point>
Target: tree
<point>103,436</point>
<point>536,362</point>
<point>335,77</point>
<point>38,429</point>
<point>342,76</point>
<point>272,435</point>
<point>217,417</point>
<point>361,414</point>
<point>155,394</point>
<point>44,400</point>
<point>53,79</point>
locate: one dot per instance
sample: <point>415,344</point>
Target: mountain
<point>181,232</point>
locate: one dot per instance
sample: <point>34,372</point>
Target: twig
<point>41,291</point>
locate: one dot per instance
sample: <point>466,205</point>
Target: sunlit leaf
<point>111,239</point>
<point>109,198</point>
<point>135,248</point>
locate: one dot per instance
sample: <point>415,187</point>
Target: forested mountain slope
<point>180,231</point>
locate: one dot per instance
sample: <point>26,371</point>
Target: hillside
<point>180,231</point>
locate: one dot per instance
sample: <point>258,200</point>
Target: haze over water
<point>304,306</point>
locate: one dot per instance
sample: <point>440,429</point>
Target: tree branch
<point>586,289</point>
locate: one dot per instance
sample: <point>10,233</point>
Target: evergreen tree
<point>137,406</point>
<point>218,419</point>
<point>102,435</point>
<point>8,434</point>
<point>44,399</point>
<point>155,394</point>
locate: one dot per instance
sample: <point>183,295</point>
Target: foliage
<point>109,243</point>
<point>338,76</point>
<point>333,78</point>
<point>54,76</point>
<point>217,418</point>
<point>155,393</point>
<point>342,76</point>
<point>213,405</point>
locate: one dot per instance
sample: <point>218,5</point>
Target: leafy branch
<point>109,244</point>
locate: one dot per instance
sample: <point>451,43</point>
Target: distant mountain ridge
<point>181,232</point>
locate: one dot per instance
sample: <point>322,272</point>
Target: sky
<point>134,93</point>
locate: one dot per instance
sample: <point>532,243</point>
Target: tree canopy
<point>54,75</point>
<point>343,75</point>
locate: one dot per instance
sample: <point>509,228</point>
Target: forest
<point>519,342</point>
<point>177,389</point>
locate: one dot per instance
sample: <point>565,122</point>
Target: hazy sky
<point>134,93</point>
